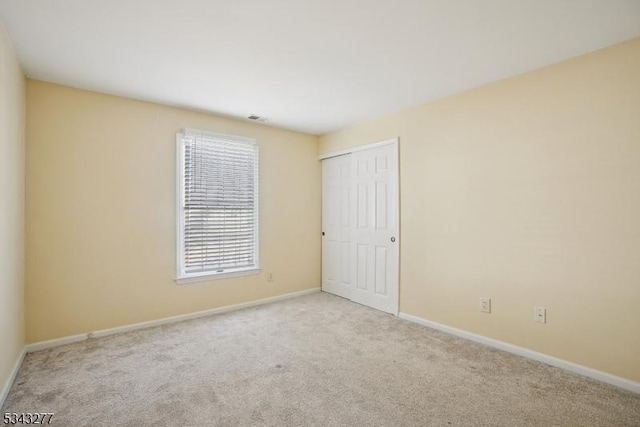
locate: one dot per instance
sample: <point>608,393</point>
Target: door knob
<point>393,239</point>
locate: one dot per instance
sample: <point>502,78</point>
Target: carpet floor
<point>315,360</point>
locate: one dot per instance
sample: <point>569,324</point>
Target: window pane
<point>219,203</point>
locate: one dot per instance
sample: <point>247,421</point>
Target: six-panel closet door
<point>337,226</point>
<point>360,223</point>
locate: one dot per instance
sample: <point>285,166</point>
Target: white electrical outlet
<point>540,314</point>
<point>485,304</point>
<point>270,279</point>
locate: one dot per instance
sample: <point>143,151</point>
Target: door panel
<point>361,223</point>
<point>377,216</point>
<point>381,205</point>
<point>336,226</point>
<point>381,270</point>
<point>361,272</point>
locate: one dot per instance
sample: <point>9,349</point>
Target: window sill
<point>216,276</point>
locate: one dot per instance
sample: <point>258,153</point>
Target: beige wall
<point>528,191</point>
<point>101,213</point>
<point>12,123</point>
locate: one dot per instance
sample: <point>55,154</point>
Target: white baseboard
<point>530,354</point>
<point>142,325</point>
<point>197,314</point>
<point>42,345</point>
<point>4,392</point>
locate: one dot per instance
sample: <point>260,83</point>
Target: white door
<point>336,226</point>
<point>361,225</point>
<point>375,235</point>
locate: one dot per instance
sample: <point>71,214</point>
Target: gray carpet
<point>316,360</point>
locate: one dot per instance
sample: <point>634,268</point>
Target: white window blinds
<point>218,212</point>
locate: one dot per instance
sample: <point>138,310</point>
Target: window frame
<point>181,276</point>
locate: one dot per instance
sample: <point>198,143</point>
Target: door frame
<point>396,143</point>
<point>389,141</point>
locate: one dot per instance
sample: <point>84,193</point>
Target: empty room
<point>331,213</point>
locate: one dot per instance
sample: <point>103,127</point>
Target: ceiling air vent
<point>257,118</point>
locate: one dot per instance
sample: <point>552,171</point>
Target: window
<point>217,205</point>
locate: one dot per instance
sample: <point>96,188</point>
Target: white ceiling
<point>313,66</point>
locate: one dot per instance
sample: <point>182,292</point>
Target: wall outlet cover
<point>485,304</point>
<point>540,314</point>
